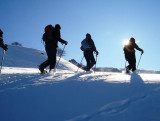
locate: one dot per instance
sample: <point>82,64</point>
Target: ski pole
<point>2,60</point>
<point>125,66</point>
<point>95,64</point>
<point>60,57</point>
<point>125,63</point>
<point>80,64</point>
<point>139,61</point>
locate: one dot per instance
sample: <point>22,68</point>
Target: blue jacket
<point>88,43</point>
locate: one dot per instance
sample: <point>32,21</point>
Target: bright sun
<point>125,42</point>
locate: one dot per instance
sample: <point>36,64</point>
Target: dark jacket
<point>52,37</point>
<point>90,44</point>
<point>130,48</point>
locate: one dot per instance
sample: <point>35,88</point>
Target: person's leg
<point>52,59</point>
<point>44,64</point>
<point>87,58</point>
<point>129,67</point>
<point>133,62</point>
<point>129,59</point>
<point>92,59</point>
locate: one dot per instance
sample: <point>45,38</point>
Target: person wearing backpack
<point>2,45</point>
<point>88,47</point>
<point>129,51</point>
<point>51,37</point>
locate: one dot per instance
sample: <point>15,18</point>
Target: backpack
<point>49,33</point>
<point>85,44</point>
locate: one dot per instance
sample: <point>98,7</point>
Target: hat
<point>132,40</point>
<point>58,26</point>
<point>88,35</point>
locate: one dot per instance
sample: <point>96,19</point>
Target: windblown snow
<point>26,95</point>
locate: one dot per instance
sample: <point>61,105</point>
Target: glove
<point>5,47</point>
<point>81,48</point>
<point>66,43</point>
<point>142,52</point>
<point>97,52</point>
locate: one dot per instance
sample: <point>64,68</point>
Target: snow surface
<point>26,95</point>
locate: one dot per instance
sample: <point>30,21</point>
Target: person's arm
<point>1,42</point>
<point>93,45</point>
<point>4,46</point>
<point>60,39</point>
<point>82,48</point>
<point>137,47</point>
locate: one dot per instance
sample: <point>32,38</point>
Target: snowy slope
<point>65,95</point>
<point>18,56</point>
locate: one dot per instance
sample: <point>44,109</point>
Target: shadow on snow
<point>62,100</point>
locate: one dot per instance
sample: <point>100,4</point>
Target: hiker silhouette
<point>51,37</point>
<point>88,47</point>
<point>2,45</point>
<point>129,51</point>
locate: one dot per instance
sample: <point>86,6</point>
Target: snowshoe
<point>42,70</point>
<point>52,71</point>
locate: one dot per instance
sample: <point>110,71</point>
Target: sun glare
<point>125,42</point>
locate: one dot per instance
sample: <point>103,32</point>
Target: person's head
<point>88,35</point>
<point>57,26</point>
<point>132,40</point>
<point>1,32</point>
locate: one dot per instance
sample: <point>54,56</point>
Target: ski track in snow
<point>117,108</point>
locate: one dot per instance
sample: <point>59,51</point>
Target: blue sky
<point>108,21</point>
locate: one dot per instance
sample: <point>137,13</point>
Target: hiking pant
<point>51,61</point>
<point>88,54</point>
<point>131,58</point>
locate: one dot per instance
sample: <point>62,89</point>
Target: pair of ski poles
<point>2,60</point>
<point>81,64</point>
